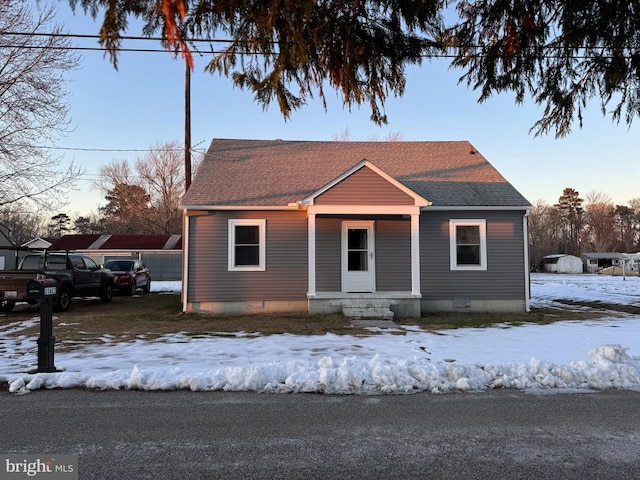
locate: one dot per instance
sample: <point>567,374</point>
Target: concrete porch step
<point>367,309</point>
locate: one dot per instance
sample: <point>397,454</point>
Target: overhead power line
<point>122,37</point>
<point>210,41</point>
<point>120,49</point>
<point>84,149</point>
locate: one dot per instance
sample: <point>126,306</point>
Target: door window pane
<point>357,261</point>
<point>357,250</point>
<point>357,238</point>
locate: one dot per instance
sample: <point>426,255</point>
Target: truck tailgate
<point>13,285</point>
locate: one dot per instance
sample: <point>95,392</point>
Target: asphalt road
<point>187,435</point>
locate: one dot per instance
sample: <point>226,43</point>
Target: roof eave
<point>477,207</point>
<point>290,207</point>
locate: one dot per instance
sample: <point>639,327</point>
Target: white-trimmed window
<point>468,244</point>
<point>247,245</point>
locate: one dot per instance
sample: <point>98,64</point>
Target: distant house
<point>161,253</point>
<point>562,263</point>
<point>7,256</point>
<point>37,242</point>
<point>367,228</point>
<point>633,261</point>
<point>596,261</point>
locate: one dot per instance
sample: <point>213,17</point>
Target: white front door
<point>358,257</point>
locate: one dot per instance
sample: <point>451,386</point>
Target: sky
<point>562,357</point>
<point>142,104</point>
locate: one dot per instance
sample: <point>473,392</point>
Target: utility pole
<point>187,127</point>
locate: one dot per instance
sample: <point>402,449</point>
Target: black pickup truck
<point>77,276</point>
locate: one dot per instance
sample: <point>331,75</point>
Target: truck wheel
<point>7,305</point>
<point>107,293</point>
<point>63,302</point>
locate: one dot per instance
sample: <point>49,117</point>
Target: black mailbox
<point>42,289</point>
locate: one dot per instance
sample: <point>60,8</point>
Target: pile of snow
<point>563,356</point>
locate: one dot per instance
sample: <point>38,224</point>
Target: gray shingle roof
<point>277,172</point>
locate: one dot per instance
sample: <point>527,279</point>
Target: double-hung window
<point>247,245</point>
<point>468,244</point>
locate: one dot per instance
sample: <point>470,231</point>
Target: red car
<point>130,275</point>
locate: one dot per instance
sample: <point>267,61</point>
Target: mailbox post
<point>44,292</point>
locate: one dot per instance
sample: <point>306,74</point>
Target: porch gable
<point>365,184</point>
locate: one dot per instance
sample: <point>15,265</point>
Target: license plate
<point>10,294</point>
<point>49,291</point>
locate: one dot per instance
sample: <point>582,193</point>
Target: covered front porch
<point>363,265</point>
<point>364,246</point>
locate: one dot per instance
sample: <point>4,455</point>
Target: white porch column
<point>185,259</point>
<point>527,266</point>
<point>415,253</point>
<point>311,255</point>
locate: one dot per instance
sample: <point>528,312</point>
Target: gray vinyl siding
<point>504,278</point>
<point>364,187</point>
<point>393,255</point>
<point>285,277</point>
<point>328,254</point>
<point>392,248</point>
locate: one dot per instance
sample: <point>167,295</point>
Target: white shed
<point>562,263</point>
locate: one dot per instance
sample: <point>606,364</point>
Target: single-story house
<point>562,263</point>
<point>596,261</point>
<point>7,256</point>
<point>161,253</point>
<point>37,242</point>
<point>633,261</point>
<point>367,228</point>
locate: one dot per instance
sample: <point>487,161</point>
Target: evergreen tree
<point>570,205</point>
<point>59,226</point>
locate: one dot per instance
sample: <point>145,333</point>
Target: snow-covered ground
<point>565,356</point>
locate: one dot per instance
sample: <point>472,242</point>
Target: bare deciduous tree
<point>546,231</point>
<point>599,233</point>
<point>32,109</point>
<point>162,172</point>
<point>145,198</point>
<point>602,227</point>
<point>627,225</point>
<point>23,224</point>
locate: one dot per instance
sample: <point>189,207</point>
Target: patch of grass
<point>154,315</point>
<point>610,307</point>
<point>268,324</point>
<point>448,320</point>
